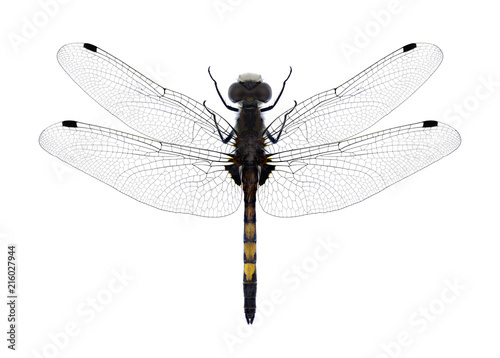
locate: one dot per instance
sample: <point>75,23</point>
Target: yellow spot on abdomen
<point>250,230</point>
<point>249,271</point>
<point>250,250</point>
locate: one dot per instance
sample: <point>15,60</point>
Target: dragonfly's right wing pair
<point>321,168</point>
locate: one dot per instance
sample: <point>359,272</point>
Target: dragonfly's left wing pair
<point>180,168</point>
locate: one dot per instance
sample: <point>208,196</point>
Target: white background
<point>185,299</point>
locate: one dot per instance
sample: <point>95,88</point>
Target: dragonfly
<point>313,158</point>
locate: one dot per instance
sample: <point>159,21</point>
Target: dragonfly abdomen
<point>249,177</point>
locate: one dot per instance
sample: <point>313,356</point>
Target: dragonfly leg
<point>220,96</point>
<point>277,99</point>
<point>228,138</point>
<point>269,135</point>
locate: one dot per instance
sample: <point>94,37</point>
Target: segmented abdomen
<point>249,177</point>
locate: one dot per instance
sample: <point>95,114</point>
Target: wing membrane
<point>142,104</point>
<point>332,176</point>
<point>359,103</point>
<point>166,176</point>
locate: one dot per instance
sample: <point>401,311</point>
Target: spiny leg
<point>218,92</point>
<point>281,92</point>
<point>233,131</point>
<point>269,135</point>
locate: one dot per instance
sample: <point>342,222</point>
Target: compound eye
<point>237,92</point>
<point>263,92</point>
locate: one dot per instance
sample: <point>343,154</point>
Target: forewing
<point>142,104</point>
<point>166,176</point>
<point>359,103</point>
<point>330,177</point>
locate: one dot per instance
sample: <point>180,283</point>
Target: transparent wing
<point>166,176</point>
<point>140,103</point>
<point>359,103</point>
<point>332,176</point>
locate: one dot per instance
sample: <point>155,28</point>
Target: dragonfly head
<point>250,90</point>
